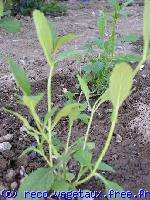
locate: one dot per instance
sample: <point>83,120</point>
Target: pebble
<point>118,138</point>
<point>7,137</point>
<point>5,146</point>
<point>22,171</point>
<point>23,129</point>
<point>14,185</point>
<point>10,175</point>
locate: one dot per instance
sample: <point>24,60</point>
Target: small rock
<point>14,185</point>
<point>22,171</point>
<point>118,138</point>
<point>7,137</point>
<point>10,175</point>
<point>3,164</point>
<point>5,146</point>
<point>23,129</point>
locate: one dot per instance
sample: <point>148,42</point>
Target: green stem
<point>113,34</point>
<point>103,153</point>
<point>49,89</point>
<point>68,138</point>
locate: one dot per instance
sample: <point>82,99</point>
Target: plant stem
<point>104,151</point>
<point>68,138</point>
<point>113,34</point>
<point>88,128</point>
<point>49,99</point>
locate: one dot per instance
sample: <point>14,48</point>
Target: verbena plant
<point>97,72</point>
<point>8,24</point>
<point>56,175</point>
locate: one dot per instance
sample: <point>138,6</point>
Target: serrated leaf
<point>84,88</point>
<point>10,25</point>
<point>109,185</point>
<point>84,157</point>
<point>102,23</point>
<point>95,67</point>
<point>62,40</point>
<point>44,34</point>
<point>60,184</point>
<point>20,77</point>
<point>39,180</point>
<point>1,8</point>
<point>121,81</point>
<point>64,112</point>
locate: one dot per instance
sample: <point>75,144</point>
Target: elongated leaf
<point>39,180</point>
<point>10,25</point>
<point>102,23</point>
<point>20,77</point>
<point>121,81</point>
<point>28,150</point>
<point>84,118</point>
<point>74,115</point>
<point>84,88</point>
<point>1,8</point>
<point>63,40</point>
<point>64,112</point>
<point>105,167</point>
<point>84,157</point>
<point>128,58</point>
<point>109,185</point>
<point>32,100</point>
<point>44,33</point>
<point>146,29</point>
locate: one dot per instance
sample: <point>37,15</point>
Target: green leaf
<point>60,184</point>
<point>39,180</point>
<point>128,58</point>
<point>63,40</point>
<point>44,34</point>
<point>70,176</point>
<point>84,88</point>
<point>74,115</point>
<point>84,118</point>
<point>28,150</point>
<point>121,81</point>
<point>69,54</point>
<point>95,67</point>
<point>146,31</point>
<point>105,167</point>
<point>10,25</point>
<point>83,157</point>
<point>20,77</point>
<point>102,23</point>
<point>1,8</point>
<point>109,185</point>
<point>64,112</point>
<point>129,38</point>
<point>30,101</point>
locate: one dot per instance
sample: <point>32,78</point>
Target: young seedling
<point>55,176</point>
<point>98,71</point>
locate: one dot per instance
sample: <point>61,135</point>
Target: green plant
<point>26,7</point>
<point>56,175</point>
<point>6,23</point>
<point>98,71</point>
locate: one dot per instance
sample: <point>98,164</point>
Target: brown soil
<point>130,157</point>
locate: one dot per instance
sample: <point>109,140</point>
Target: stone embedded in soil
<point>6,138</point>
<point>5,146</point>
<point>118,138</point>
<point>10,175</point>
<point>3,164</point>
<point>14,185</point>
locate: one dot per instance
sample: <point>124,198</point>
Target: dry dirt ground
<point>129,155</point>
